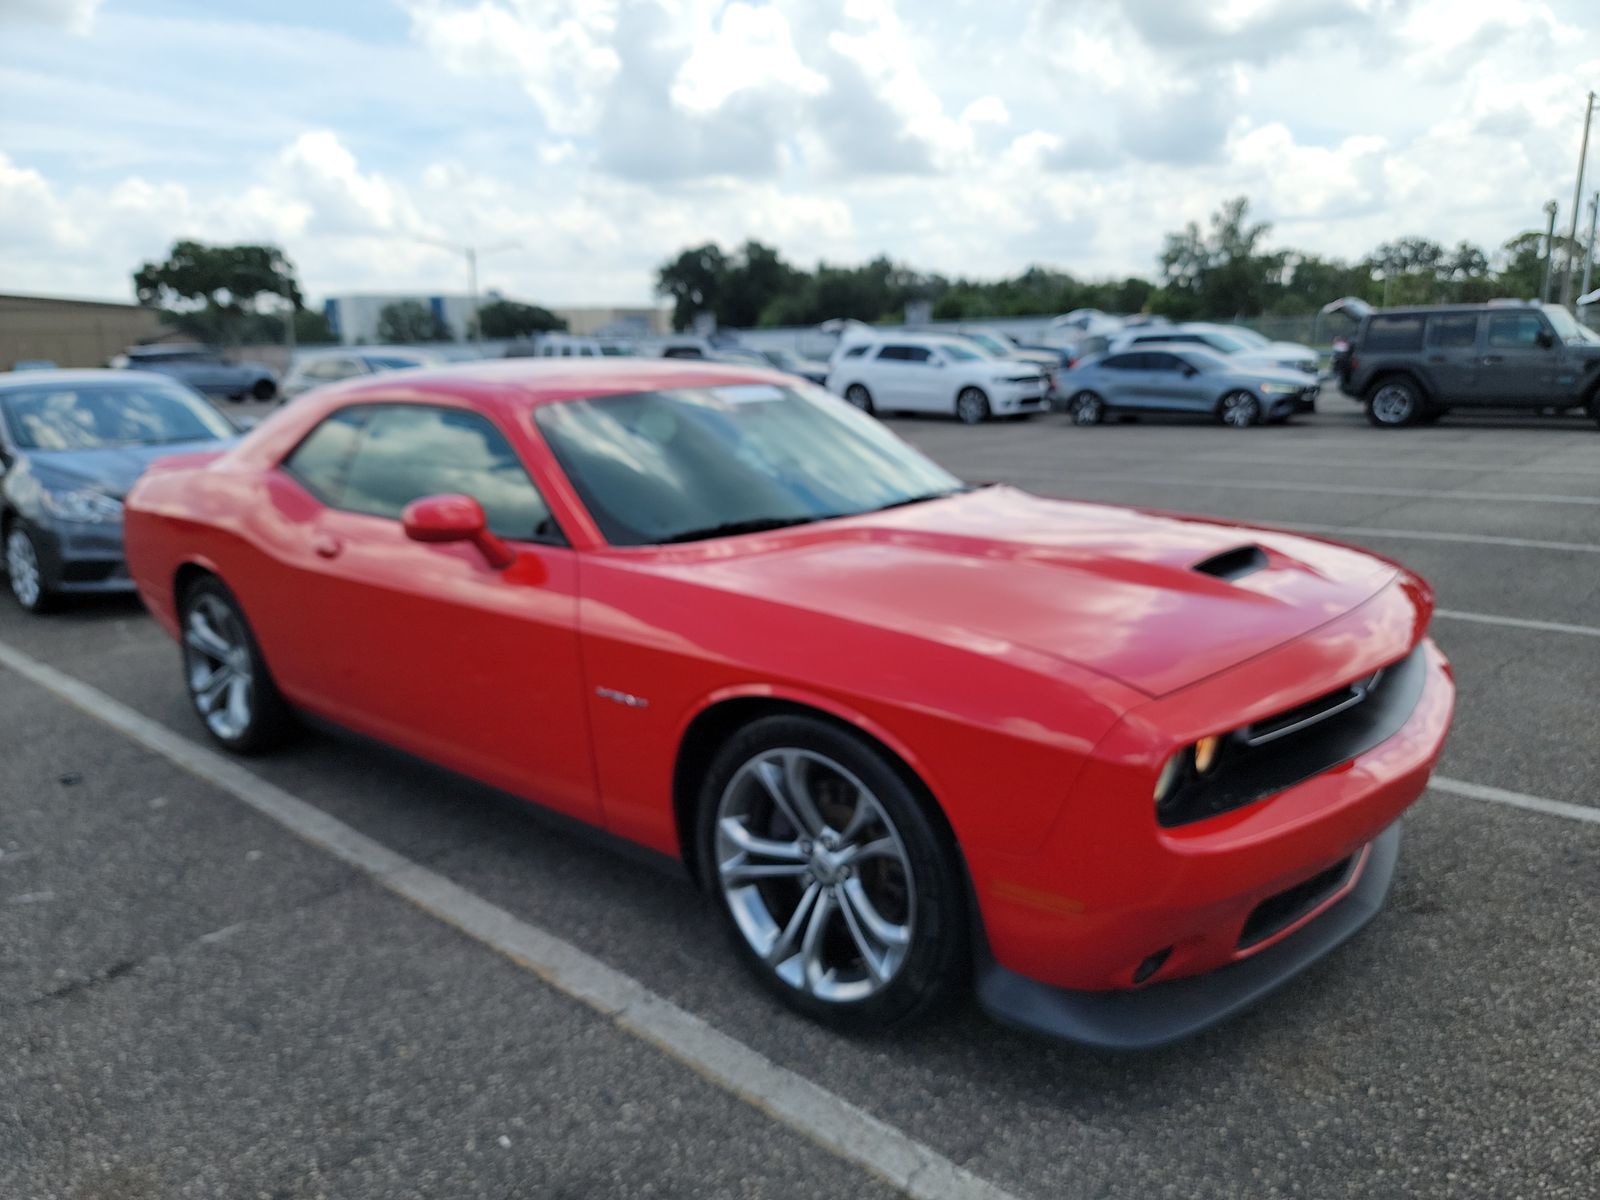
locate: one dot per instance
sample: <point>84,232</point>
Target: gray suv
<point>1416,364</point>
<point>203,369</point>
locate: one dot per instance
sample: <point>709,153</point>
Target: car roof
<point>510,384</point>
<point>916,339</point>
<point>1419,310</point>
<point>72,375</point>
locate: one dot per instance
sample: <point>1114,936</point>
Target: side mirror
<point>1190,372</point>
<point>1546,338</point>
<point>453,518</point>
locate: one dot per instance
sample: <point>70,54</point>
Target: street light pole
<point>1588,250</point>
<point>1549,248</point>
<point>474,334</point>
<point>1577,199</point>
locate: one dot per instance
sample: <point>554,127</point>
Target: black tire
<point>26,575</point>
<point>1239,410</point>
<point>859,396</point>
<point>264,389</point>
<point>266,717</point>
<point>917,887</point>
<point>1086,408</point>
<point>1593,407</point>
<point>1395,403</point>
<point>972,406</point>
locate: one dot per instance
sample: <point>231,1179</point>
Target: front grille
<point>1288,748</point>
<point>1276,913</point>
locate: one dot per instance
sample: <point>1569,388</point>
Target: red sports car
<point>1130,770</point>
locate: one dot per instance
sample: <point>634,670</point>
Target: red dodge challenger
<point>1128,771</point>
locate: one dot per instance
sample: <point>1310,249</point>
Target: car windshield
<point>1204,360</point>
<point>1249,337</point>
<point>961,353</point>
<point>1567,329</point>
<point>99,416</point>
<point>681,465</point>
<point>1225,342</point>
<point>992,344</point>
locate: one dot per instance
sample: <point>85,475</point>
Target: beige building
<point>616,322</point>
<point>70,333</point>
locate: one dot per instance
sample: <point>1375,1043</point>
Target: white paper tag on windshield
<point>750,393</point>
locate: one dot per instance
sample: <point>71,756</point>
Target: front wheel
<point>1239,410</point>
<point>838,890</point>
<point>25,572</point>
<point>972,406</point>
<point>264,389</point>
<point>859,396</point>
<point>1394,403</point>
<point>1087,409</point>
<point>228,683</point>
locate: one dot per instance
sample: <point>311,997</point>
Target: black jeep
<point>1416,364</point>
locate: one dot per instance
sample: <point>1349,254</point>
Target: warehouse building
<point>70,333</point>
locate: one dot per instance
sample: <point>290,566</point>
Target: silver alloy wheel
<point>858,396</point>
<point>1087,409</point>
<point>815,874</point>
<point>1240,409</point>
<point>216,659</point>
<point>22,567</point>
<point>1393,404</point>
<point>972,406</point>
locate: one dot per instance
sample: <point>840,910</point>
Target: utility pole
<point>471,254</point>
<point>1549,248</point>
<point>1588,250</point>
<point>1577,199</point>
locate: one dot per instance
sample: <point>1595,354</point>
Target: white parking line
<point>1367,464</point>
<point>1452,614</point>
<point>1341,489</point>
<point>828,1119</point>
<point>1430,535</point>
<point>1538,804</point>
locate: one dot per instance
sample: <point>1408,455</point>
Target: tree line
<point>239,295</point>
<point>1225,271</point>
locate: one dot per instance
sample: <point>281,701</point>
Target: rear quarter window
<point>1394,333</point>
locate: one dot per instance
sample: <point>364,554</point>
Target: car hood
<point>112,470</point>
<point>1003,573</point>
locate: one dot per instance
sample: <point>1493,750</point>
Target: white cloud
<point>74,15</point>
<point>748,47</point>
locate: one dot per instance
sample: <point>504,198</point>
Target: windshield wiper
<point>750,525</point>
<point>922,499</point>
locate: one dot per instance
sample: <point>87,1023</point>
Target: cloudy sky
<point>971,137</point>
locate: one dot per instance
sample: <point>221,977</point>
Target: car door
<point>1172,385</point>
<point>1450,354</point>
<point>429,647</point>
<point>1129,380</point>
<point>1520,359</point>
<point>891,378</point>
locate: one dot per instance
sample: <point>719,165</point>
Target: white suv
<point>917,373</point>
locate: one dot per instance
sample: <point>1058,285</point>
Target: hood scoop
<point>1233,564</point>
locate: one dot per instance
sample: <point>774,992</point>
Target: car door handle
<point>325,545</point>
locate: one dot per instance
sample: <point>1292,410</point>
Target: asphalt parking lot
<point>198,1002</point>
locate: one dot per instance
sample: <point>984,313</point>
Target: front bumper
<point>1167,1012</point>
<point>82,559</point>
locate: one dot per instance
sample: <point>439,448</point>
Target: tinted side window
<point>1122,362</point>
<point>1162,362</point>
<point>676,352</point>
<point>1456,331</point>
<point>1394,333</point>
<point>323,456</point>
<point>897,354</point>
<point>1510,331</point>
<point>855,351</point>
<point>412,450</point>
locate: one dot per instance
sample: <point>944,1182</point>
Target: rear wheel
<point>228,683</point>
<point>859,396</point>
<point>972,406</point>
<point>839,891</point>
<point>1087,408</point>
<point>1239,410</point>
<point>264,389</point>
<point>1394,403</point>
<point>25,571</point>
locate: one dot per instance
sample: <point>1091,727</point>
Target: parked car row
<point>202,368</point>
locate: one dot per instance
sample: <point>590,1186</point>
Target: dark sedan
<point>71,445</point>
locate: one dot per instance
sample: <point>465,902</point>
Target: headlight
<point>1282,389</point>
<point>1192,762</point>
<point>81,505</point>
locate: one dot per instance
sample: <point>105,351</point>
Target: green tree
<point>217,286</point>
<point>407,322</point>
<point>509,319</point>
<point>694,282</point>
<point>1220,273</point>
